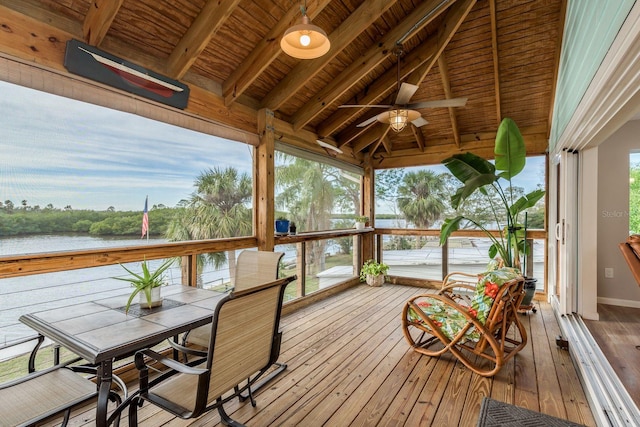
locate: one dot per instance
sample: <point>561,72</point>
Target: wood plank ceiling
<point>502,55</point>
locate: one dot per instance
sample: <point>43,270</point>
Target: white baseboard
<point>620,302</point>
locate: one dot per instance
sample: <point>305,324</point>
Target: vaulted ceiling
<point>501,55</point>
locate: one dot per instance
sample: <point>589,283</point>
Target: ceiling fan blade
<point>367,122</point>
<point>405,93</point>
<point>364,106</point>
<point>453,102</point>
<point>420,121</point>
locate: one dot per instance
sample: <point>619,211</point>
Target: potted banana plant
<point>479,175</point>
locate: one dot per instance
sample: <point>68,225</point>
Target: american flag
<point>145,218</point>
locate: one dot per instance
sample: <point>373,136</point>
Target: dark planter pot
<point>282,226</point>
<point>529,291</point>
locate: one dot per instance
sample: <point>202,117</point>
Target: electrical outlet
<point>608,273</point>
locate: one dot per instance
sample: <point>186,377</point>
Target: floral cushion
<point>451,321</point>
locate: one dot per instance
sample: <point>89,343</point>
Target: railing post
<point>301,259</point>
<point>445,259</point>
<point>529,245</point>
<point>189,270</point>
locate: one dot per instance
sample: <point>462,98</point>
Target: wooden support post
<point>264,176</point>
<point>368,207</point>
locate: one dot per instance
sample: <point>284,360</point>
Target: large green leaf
<point>525,202</point>
<point>510,151</point>
<point>449,226</point>
<point>477,182</point>
<point>473,171</point>
<point>467,166</point>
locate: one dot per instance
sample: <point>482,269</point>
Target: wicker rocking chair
<point>478,324</point>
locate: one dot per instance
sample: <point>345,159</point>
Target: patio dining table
<point>101,332</point>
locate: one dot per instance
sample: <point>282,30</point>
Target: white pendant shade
<point>305,41</point>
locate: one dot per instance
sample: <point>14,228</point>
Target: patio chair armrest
<point>166,361</point>
<point>187,350</point>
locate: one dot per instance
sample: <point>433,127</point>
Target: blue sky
<point>65,152</point>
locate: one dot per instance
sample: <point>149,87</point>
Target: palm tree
<point>218,208</point>
<point>309,192</point>
<point>420,197</point>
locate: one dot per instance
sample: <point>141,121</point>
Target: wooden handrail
<point>24,265</point>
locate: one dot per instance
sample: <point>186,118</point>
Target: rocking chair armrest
<point>459,277</point>
<point>166,361</point>
<point>450,288</point>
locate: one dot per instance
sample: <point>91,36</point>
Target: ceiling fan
<point>401,112</point>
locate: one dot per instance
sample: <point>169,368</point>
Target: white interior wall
<point>613,216</point>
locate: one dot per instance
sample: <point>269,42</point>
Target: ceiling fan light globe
<point>305,41</point>
<point>398,119</point>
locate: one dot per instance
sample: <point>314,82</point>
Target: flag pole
<point>145,219</point>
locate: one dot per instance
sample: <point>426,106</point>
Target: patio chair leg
<point>258,385</point>
<point>226,419</point>
<point>65,420</point>
<point>133,411</point>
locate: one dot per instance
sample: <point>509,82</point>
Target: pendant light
<point>305,40</point>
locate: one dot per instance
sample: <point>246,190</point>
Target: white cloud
<point>65,152</point>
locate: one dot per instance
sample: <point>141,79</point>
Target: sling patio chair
<point>478,325</point>
<point>253,268</point>
<point>244,341</point>
<point>42,394</point>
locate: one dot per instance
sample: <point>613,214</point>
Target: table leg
<point>104,377</point>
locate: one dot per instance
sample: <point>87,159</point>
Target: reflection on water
<point>20,295</point>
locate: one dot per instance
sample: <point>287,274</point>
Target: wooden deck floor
<point>349,365</point>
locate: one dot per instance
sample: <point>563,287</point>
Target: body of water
<point>20,295</point>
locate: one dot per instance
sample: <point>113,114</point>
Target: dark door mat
<point>499,414</point>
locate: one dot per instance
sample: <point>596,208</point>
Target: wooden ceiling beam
<point>357,22</point>
<point>358,69</point>
<point>496,64</point>
<point>99,17</point>
<point>212,16</point>
<point>446,85</point>
<point>386,143</point>
<point>265,52</point>
<point>455,16</point>
<point>373,134</point>
<point>416,66</point>
<point>536,144</point>
<point>417,134</point>
<point>352,133</point>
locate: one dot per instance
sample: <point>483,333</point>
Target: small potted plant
<point>282,225</point>
<point>147,284</point>
<point>361,221</point>
<point>373,272</point>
